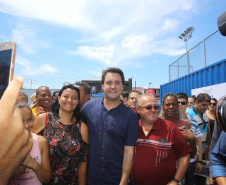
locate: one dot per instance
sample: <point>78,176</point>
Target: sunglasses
<point>156,107</point>
<point>182,102</point>
<point>214,104</point>
<point>66,83</point>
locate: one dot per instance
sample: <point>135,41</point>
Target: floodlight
<point>190,29</point>
<point>186,35</point>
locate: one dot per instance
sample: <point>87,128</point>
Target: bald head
<point>43,97</point>
<point>147,108</point>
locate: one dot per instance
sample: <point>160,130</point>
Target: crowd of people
<point>123,138</point>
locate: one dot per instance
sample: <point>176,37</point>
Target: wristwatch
<point>199,162</point>
<point>176,180</point>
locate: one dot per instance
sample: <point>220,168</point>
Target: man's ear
<point>87,96</point>
<point>137,109</point>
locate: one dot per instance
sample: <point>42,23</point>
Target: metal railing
<point>210,50</point>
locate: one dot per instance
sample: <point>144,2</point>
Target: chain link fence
<point>211,50</point>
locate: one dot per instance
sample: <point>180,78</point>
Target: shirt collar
<point>156,125</point>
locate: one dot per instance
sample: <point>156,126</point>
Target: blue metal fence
<point>210,75</point>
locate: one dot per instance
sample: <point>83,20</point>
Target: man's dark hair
<point>54,93</point>
<point>125,94</point>
<point>182,95</point>
<point>203,97</point>
<point>112,70</point>
<point>85,85</point>
<point>193,96</point>
<point>136,91</point>
<point>40,88</point>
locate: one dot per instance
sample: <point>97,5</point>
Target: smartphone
<point>183,127</point>
<point>7,60</point>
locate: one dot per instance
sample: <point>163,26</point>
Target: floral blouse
<point>66,150</point>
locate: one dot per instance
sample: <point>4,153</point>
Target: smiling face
<point>112,86</point>
<point>44,97</point>
<point>170,107</point>
<point>68,100</point>
<point>147,116</point>
<point>133,98</point>
<point>27,118</point>
<point>191,102</point>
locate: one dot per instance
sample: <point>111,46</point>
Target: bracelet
<point>199,162</point>
<point>176,180</point>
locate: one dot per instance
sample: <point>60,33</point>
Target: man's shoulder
<point>93,102</point>
<point>190,110</point>
<point>124,112</point>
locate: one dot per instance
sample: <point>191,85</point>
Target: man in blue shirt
<point>113,131</point>
<point>217,160</point>
<point>197,113</point>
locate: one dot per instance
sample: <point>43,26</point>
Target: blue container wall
<point>210,75</point>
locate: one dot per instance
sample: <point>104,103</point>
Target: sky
<point>73,40</point>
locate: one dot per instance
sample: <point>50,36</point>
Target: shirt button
<point>102,157</point>
<point>104,134</point>
<point>103,146</point>
<point>102,169</point>
<point>105,122</point>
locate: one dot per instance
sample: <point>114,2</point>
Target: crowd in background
<point>123,138</point>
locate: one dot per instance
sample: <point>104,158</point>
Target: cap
<point>151,91</point>
<point>34,101</point>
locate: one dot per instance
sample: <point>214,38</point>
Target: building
<point>96,87</point>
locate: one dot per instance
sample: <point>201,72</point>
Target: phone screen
<point>7,54</point>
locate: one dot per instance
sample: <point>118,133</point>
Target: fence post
<point>204,52</point>
<point>178,70</point>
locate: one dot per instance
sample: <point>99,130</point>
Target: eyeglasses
<point>66,83</point>
<point>214,104</point>
<point>149,107</point>
<point>182,102</point>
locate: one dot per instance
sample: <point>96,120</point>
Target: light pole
<point>185,36</point>
<point>149,84</point>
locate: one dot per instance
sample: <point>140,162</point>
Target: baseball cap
<point>151,91</point>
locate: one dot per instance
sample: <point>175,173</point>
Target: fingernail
<point>20,78</point>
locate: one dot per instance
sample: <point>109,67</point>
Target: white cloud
<point>133,46</point>
<point>113,31</point>
<point>27,39</point>
<point>35,69</point>
<point>170,24</point>
<point>97,72</point>
<point>102,54</point>
<point>69,13</point>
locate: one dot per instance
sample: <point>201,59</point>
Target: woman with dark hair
<point>170,111</point>
<point>211,114</point>
<point>67,137</point>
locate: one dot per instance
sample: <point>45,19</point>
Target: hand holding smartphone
<point>7,60</point>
